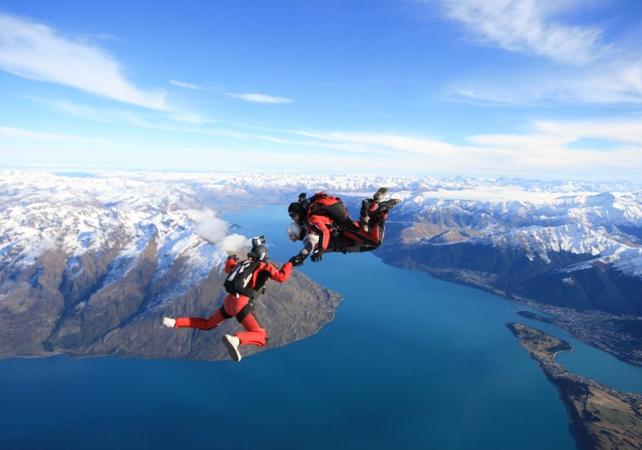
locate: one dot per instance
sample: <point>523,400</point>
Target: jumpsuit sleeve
<point>230,264</point>
<point>321,226</point>
<point>281,274</point>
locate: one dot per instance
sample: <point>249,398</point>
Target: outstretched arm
<point>281,274</point>
<point>310,243</point>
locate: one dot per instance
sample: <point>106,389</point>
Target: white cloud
<point>552,146</point>
<point>235,244</point>
<point>624,131</point>
<point>171,121</point>
<point>36,51</point>
<point>195,119</point>
<point>208,225</point>
<point>185,85</point>
<point>549,148</point>
<point>259,98</point>
<point>20,133</point>
<point>612,82</point>
<point>371,142</point>
<point>252,97</point>
<point>526,26</point>
<point>215,231</point>
<point>589,70</point>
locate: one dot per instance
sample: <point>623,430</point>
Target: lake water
<point>409,362</point>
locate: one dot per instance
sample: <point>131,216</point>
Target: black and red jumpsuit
<point>236,305</point>
<point>330,212</point>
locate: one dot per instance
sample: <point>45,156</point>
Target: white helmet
<point>294,231</point>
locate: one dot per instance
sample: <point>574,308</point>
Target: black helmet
<point>259,252</point>
<point>258,240</point>
<point>296,208</point>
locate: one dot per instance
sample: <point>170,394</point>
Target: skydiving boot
<point>232,343</point>
<point>387,205</point>
<point>369,205</point>
<point>169,322</point>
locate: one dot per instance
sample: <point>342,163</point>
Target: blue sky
<point>439,87</point>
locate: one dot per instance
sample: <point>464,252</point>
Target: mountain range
<point>142,243</point>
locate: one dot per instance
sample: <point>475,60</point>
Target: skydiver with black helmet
<point>323,224</point>
<point>245,281</point>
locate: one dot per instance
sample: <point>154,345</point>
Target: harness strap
<point>243,313</point>
<point>224,313</point>
<point>360,238</point>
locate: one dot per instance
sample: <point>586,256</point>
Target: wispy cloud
<point>565,147</point>
<point>192,118</point>
<point>549,149</point>
<point>612,82</point>
<point>588,70</point>
<point>526,26</point>
<point>175,122</point>
<point>21,133</point>
<point>371,142</point>
<point>259,98</point>
<point>36,51</point>
<point>186,85</point>
<point>554,148</point>
<point>623,131</point>
<point>252,97</point>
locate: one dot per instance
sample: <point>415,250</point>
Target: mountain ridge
<point>563,246</point>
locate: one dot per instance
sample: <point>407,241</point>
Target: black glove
<point>317,256</point>
<point>297,260</point>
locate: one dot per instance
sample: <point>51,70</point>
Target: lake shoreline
<point>601,417</point>
<point>587,326</point>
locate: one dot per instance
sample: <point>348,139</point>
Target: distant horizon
<point>68,171</point>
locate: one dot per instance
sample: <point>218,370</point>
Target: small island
<point>602,418</point>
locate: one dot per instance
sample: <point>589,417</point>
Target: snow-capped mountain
<point>537,218</point>
<point>541,241</point>
<point>603,219</point>
<point>109,251</point>
<point>86,216</point>
<point>87,263</point>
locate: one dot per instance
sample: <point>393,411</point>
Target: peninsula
<point>601,417</point>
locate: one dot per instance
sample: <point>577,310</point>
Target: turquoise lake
<point>410,362</point>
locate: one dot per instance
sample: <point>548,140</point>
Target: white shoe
<point>169,322</point>
<point>232,343</point>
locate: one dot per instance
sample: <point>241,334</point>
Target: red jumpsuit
<point>321,225</point>
<point>233,304</point>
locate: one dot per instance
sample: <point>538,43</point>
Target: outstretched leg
<point>378,219</point>
<point>364,214</point>
<point>383,208</point>
<point>201,322</point>
<point>368,207</point>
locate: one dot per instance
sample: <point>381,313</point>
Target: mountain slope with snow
<point>110,250</point>
<point>88,263</point>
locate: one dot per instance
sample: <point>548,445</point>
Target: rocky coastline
<point>52,313</point>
